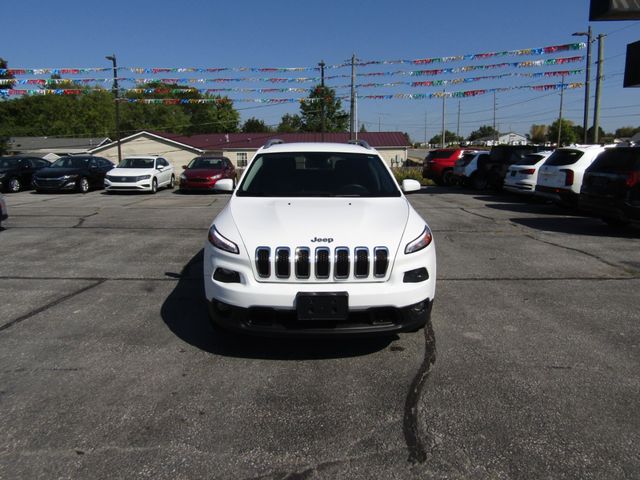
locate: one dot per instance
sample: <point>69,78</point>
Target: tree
<point>254,125</point>
<point>290,123</point>
<point>336,119</point>
<point>567,133</point>
<point>538,133</point>
<point>449,137</point>
<point>483,132</point>
<point>363,129</point>
<point>626,132</point>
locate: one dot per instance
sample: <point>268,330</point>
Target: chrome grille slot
<point>263,261</point>
<point>380,261</point>
<point>341,267</point>
<point>303,265</point>
<point>361,268</point>
<point>322,262</point>
<point>283,266</point>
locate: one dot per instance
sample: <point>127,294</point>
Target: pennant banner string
<point>550,50</point>
<point>409,96</point>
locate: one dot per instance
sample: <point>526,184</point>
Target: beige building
<point>240,147</point>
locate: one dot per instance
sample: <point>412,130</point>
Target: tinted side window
<point>41,163</point>
<point>564,157</point>
<point>617,160</point>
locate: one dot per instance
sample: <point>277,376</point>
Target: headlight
<point>183,177</point>
<point>217,240</point>
<point>2,175</point>
<point>419,243</point>
<point>69,177</point>
<point>143,177</point>
<point>216,177</point>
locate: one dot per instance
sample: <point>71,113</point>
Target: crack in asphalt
<point>417,442</point>
<point>577,250</point>
<point>478,215</point>
<point>48,306</point>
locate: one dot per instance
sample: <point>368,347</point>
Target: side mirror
<point>409,185</point>
<point>184,167</point>
<point>224,185</point>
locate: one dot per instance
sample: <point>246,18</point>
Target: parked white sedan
<point>143,173</point>
<point>522,178</point>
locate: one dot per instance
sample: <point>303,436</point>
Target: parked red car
<point>438,165</point>
<point>202,173</point>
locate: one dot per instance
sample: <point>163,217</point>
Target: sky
<point>285,33</point>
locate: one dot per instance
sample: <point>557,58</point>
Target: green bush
<point>414,173</point>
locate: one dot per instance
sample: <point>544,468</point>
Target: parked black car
<point>611,186</point>
<point>16,173</point>
<point>492,169</point>
<point>76,172</point>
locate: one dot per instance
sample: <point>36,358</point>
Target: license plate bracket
<point>322,305</point>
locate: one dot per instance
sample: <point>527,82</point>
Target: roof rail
<point>273,141</point>
<point>362,143</point>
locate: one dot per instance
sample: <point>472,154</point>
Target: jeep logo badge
<point>322,240</point>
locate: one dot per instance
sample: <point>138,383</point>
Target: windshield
<point>9,162</point>
<point>136,163</point>
<point>318,174</point>
<point>71,162</point>
<point>208,163</point>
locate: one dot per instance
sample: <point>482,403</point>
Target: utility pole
<point>116,95</point>
<point>495,132</point>
<point>587,83</point>
<point>599,75</point>
<point>458,127</point>
<point>443,139</point>
<point>425,129</point>
<point>352,125</point>
<point>323,100</point>
<point>560,116</point>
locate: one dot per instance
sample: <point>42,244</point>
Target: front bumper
<point>197,185</point>
<point>140,186</point>
<point>54,184</point>
<point>386,305</point>
<point>266,321</point>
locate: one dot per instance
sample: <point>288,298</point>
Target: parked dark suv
<point>493,169</point>
<point>17,172</point>
<point>611,186</point>
<point>74,172</point>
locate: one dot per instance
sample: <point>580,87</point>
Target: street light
<point>112,58</point>
<point>585,124</point>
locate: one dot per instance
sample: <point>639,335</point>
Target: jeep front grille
<point>322,263</point>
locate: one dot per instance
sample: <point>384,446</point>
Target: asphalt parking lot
<point>108,368</point>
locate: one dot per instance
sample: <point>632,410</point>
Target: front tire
<point>154,185</point>
<point>83,185</point>
<point>14,185</point>
<point>172,182</point>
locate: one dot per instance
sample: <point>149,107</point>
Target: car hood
<point>131,172</point>
<point>8,170</point>
<point>202,172</point>
<point>335,222</point>
<point>49,172</point>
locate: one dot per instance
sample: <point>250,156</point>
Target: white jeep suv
<point>318,238</point>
